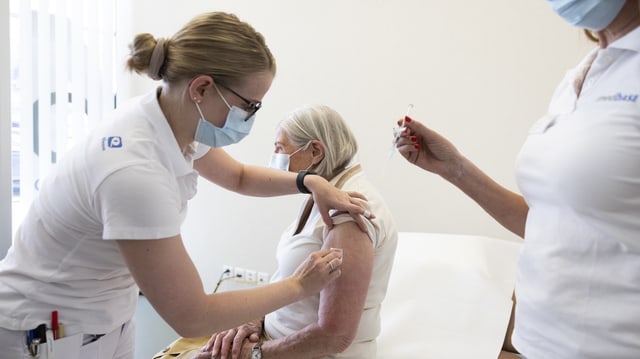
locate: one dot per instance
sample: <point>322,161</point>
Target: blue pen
<point>32,343</point>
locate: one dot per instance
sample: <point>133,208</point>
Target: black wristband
<point>300,181</point>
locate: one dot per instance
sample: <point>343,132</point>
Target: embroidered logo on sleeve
<point>619,97</point>
<point>111,142</point>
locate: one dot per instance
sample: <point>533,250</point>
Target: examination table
<point>449,297</point>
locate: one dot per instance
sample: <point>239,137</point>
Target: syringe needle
<point>409,108</point>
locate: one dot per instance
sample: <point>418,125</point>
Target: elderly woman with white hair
<point>343,321</point>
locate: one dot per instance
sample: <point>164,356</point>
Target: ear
<point>199,86</point>
<point>317,151</point>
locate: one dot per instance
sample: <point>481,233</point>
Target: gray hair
<point>322,123</point>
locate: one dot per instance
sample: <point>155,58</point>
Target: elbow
<point>188,324</point>
<point>186,332</point>
<point>340,343</point>
<point>186,329</point>
<point>337,340</point>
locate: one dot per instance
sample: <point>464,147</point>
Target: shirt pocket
<point>63,348</point>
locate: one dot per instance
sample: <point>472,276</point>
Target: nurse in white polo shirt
<point>106,222</point>
<point>578,282</point>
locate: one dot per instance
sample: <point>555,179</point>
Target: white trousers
<point>117,344</point>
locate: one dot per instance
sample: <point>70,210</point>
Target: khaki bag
<point>182,348</point>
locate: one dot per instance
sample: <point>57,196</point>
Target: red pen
<point>54,324</point>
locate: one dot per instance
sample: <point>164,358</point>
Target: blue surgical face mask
<point>234,130</point>
<point>281,161</point>
<point>594,15</point>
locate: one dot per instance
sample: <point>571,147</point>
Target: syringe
<point>397,131</point>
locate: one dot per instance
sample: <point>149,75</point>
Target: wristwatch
<point>256,352</point>
<point>300,181</point>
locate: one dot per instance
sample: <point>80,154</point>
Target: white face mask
<point>281,161</point>
<point>235,128</point>
<point>594,15</point>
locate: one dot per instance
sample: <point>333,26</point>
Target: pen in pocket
<point>35,337</point>
<point>54,324</point>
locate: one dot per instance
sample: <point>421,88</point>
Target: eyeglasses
<point>251,106</point>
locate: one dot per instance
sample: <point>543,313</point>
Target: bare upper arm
<point>220,168</point>
<point>342,301</point>
<point>166,276</point>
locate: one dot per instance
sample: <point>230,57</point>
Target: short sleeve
<point>344,217</point>
<point>140,202</point>
<point>200,150</point>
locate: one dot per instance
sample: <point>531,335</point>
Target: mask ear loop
<point>306,147</point>
<point>222,97</point>
<point>309,168</point>
<point>199,110</point>
<point>303,148</point>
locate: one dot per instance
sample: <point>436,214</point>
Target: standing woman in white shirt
<point>578,281</point>
<point>106,221</point>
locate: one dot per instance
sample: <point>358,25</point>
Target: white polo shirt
<point>578,283</point>
<point>127,180</point>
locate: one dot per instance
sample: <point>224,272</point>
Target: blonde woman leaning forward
<point>107,219</point>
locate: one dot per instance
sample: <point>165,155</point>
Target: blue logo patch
<point>111,142</point>
<point>619,97</point>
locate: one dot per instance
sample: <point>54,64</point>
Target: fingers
<point>237,344</point>
<point>410,151</point>
<point>207,347</point>
<point>326,217</point>
<point>360,211</point>
<point>227,342</point>
<point>222,343</point>
<point>357,195</point>
<point>212,348</point>
<point>217,344</point>
<point>329,259</point>
<point>409,146</point>
<point>329,254</point>
<point>332,259</point>
<point>334,275</point>
<point>413,126</point>
<point>317,270</point>
<point>403,121</point>
<point>413,132</point>
<point>246,331</point>
<point>359,219</point>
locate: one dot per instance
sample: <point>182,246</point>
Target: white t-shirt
<point>578,283</point>
<point>127,180</point>
<point>294,249</point>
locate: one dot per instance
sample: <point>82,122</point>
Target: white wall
<point>479,72</point>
